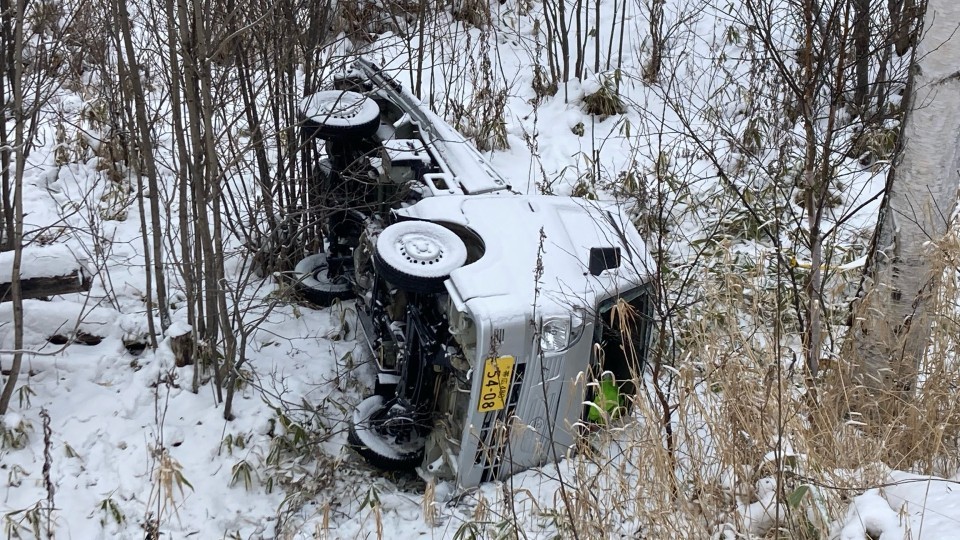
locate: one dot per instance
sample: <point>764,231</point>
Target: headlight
<point>555,335</point>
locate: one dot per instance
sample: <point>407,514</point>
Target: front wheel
<point>386,435</point>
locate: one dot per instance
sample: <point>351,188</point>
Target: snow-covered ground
<point>907,506</point>
<point>113,441</point>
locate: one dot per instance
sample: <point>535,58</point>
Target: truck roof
<point>503,283</point>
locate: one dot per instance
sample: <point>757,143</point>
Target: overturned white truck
<point>491,315</point>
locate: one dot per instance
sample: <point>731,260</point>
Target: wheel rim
<point>420,249</point>
<point>312,273</point>
<point>400,430</point>
<point>322,276</point>
<point>341,105</point>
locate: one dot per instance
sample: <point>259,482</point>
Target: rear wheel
<point>334,114</point>
<point>314,284</point>
<point>386,435</point>
<point>418,256</point>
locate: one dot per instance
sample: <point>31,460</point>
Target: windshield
<point>622,336</point>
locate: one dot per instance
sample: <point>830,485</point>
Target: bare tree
<point>129,69</point>
<point>813,82</point>
<point>892,326</point>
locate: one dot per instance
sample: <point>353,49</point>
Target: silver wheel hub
<point>419,249</point>
<point>342,106</point>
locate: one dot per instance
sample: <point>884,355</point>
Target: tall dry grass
<point>759,450</point>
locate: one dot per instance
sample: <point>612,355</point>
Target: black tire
<point>374,446</point>
<point>336,114</point>
<point>424,272</point>
<point>313,285</point>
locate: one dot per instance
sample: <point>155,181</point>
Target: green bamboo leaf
<point>797,496</point>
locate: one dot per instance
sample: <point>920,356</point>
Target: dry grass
<point>605,101</point>
<point>746,428</point>
<point>482,117</point>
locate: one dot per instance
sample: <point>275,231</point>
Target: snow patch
<point>40,261</point>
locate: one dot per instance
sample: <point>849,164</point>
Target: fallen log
<point>44,271</point>
<point>40,287</point>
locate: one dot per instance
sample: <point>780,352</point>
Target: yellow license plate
<point>496,383</point>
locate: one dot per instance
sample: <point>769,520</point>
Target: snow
<point>41,261</point>
<point>339,109</point>
<point>45,319</point>
<point>502,283</point>
<point>907,506</point>
<point>111,413</point>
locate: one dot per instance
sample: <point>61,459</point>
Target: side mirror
<point>603,258</point>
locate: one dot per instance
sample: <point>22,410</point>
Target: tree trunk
<point>186,266</point>
<point>145,144</point>
<point>892,327</point>
<point>861,44</point>
<point>20,152</point>
<point>8,78</point>
<point>651,72</point>
<point>39,287</point>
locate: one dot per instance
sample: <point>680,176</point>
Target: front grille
<point>495,432</point>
